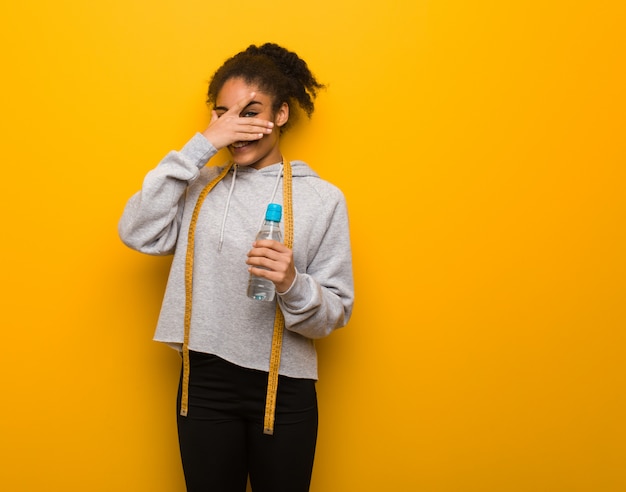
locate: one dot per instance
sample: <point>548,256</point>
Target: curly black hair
<point>274,70</point>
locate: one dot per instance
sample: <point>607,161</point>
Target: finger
<point>262,263</point>
<point>214,117</point>
<point>261,252</point>
<point>271,244</point>
<point>253,127</point>
<point>256,255</point>
<point>242,103</point>
<point>264,273</point>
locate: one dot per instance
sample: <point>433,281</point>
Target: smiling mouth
<point>239,145</point>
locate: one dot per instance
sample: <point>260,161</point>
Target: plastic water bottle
<point>262,289</point>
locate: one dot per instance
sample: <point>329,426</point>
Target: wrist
<point>281,292</point>
<point>210,138</point>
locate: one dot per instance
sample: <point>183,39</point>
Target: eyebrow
<point>224,108</point>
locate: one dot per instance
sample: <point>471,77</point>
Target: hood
<point>298,169</point>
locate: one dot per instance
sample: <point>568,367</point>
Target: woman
<point>247,401</point>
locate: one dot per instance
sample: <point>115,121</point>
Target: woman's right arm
<point>151,220</point>
<point>152,217</point>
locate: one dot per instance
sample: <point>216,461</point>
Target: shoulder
<point>308,181</point>
<point>208,173</point>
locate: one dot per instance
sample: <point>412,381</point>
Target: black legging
<point>222,441</point>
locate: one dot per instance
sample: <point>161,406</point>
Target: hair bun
<point>274,69</point>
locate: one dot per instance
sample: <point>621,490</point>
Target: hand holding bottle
<point>277,261</point>
<point>270,262</point>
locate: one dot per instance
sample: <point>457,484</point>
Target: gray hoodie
<point>225,322</point>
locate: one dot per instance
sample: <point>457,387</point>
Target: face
<point>258,153</point>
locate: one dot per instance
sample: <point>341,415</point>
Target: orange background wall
<point>481,148</point>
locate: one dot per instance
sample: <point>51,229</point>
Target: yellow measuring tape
<point>279,320</point>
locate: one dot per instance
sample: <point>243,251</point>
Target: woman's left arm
<point>320,299</point>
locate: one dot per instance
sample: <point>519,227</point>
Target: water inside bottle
<point>260,289</point>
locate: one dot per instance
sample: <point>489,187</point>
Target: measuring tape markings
<point>189,284</point>
<point>279,320</point>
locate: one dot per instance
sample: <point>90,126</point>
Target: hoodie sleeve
<point>320,299</point>
<point>151,219</point>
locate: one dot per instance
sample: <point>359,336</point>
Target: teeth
<point>238,145</point>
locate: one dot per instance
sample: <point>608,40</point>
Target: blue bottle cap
<point>274,212</point>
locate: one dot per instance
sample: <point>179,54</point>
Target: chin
<point>254,154</point>
<point>244,156</point>
<point>244,161</point>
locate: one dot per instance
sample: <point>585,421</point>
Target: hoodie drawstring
<point>189,284</point>
<point>280,175</point>
<point>230,194</point>
<point>279,320</point>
